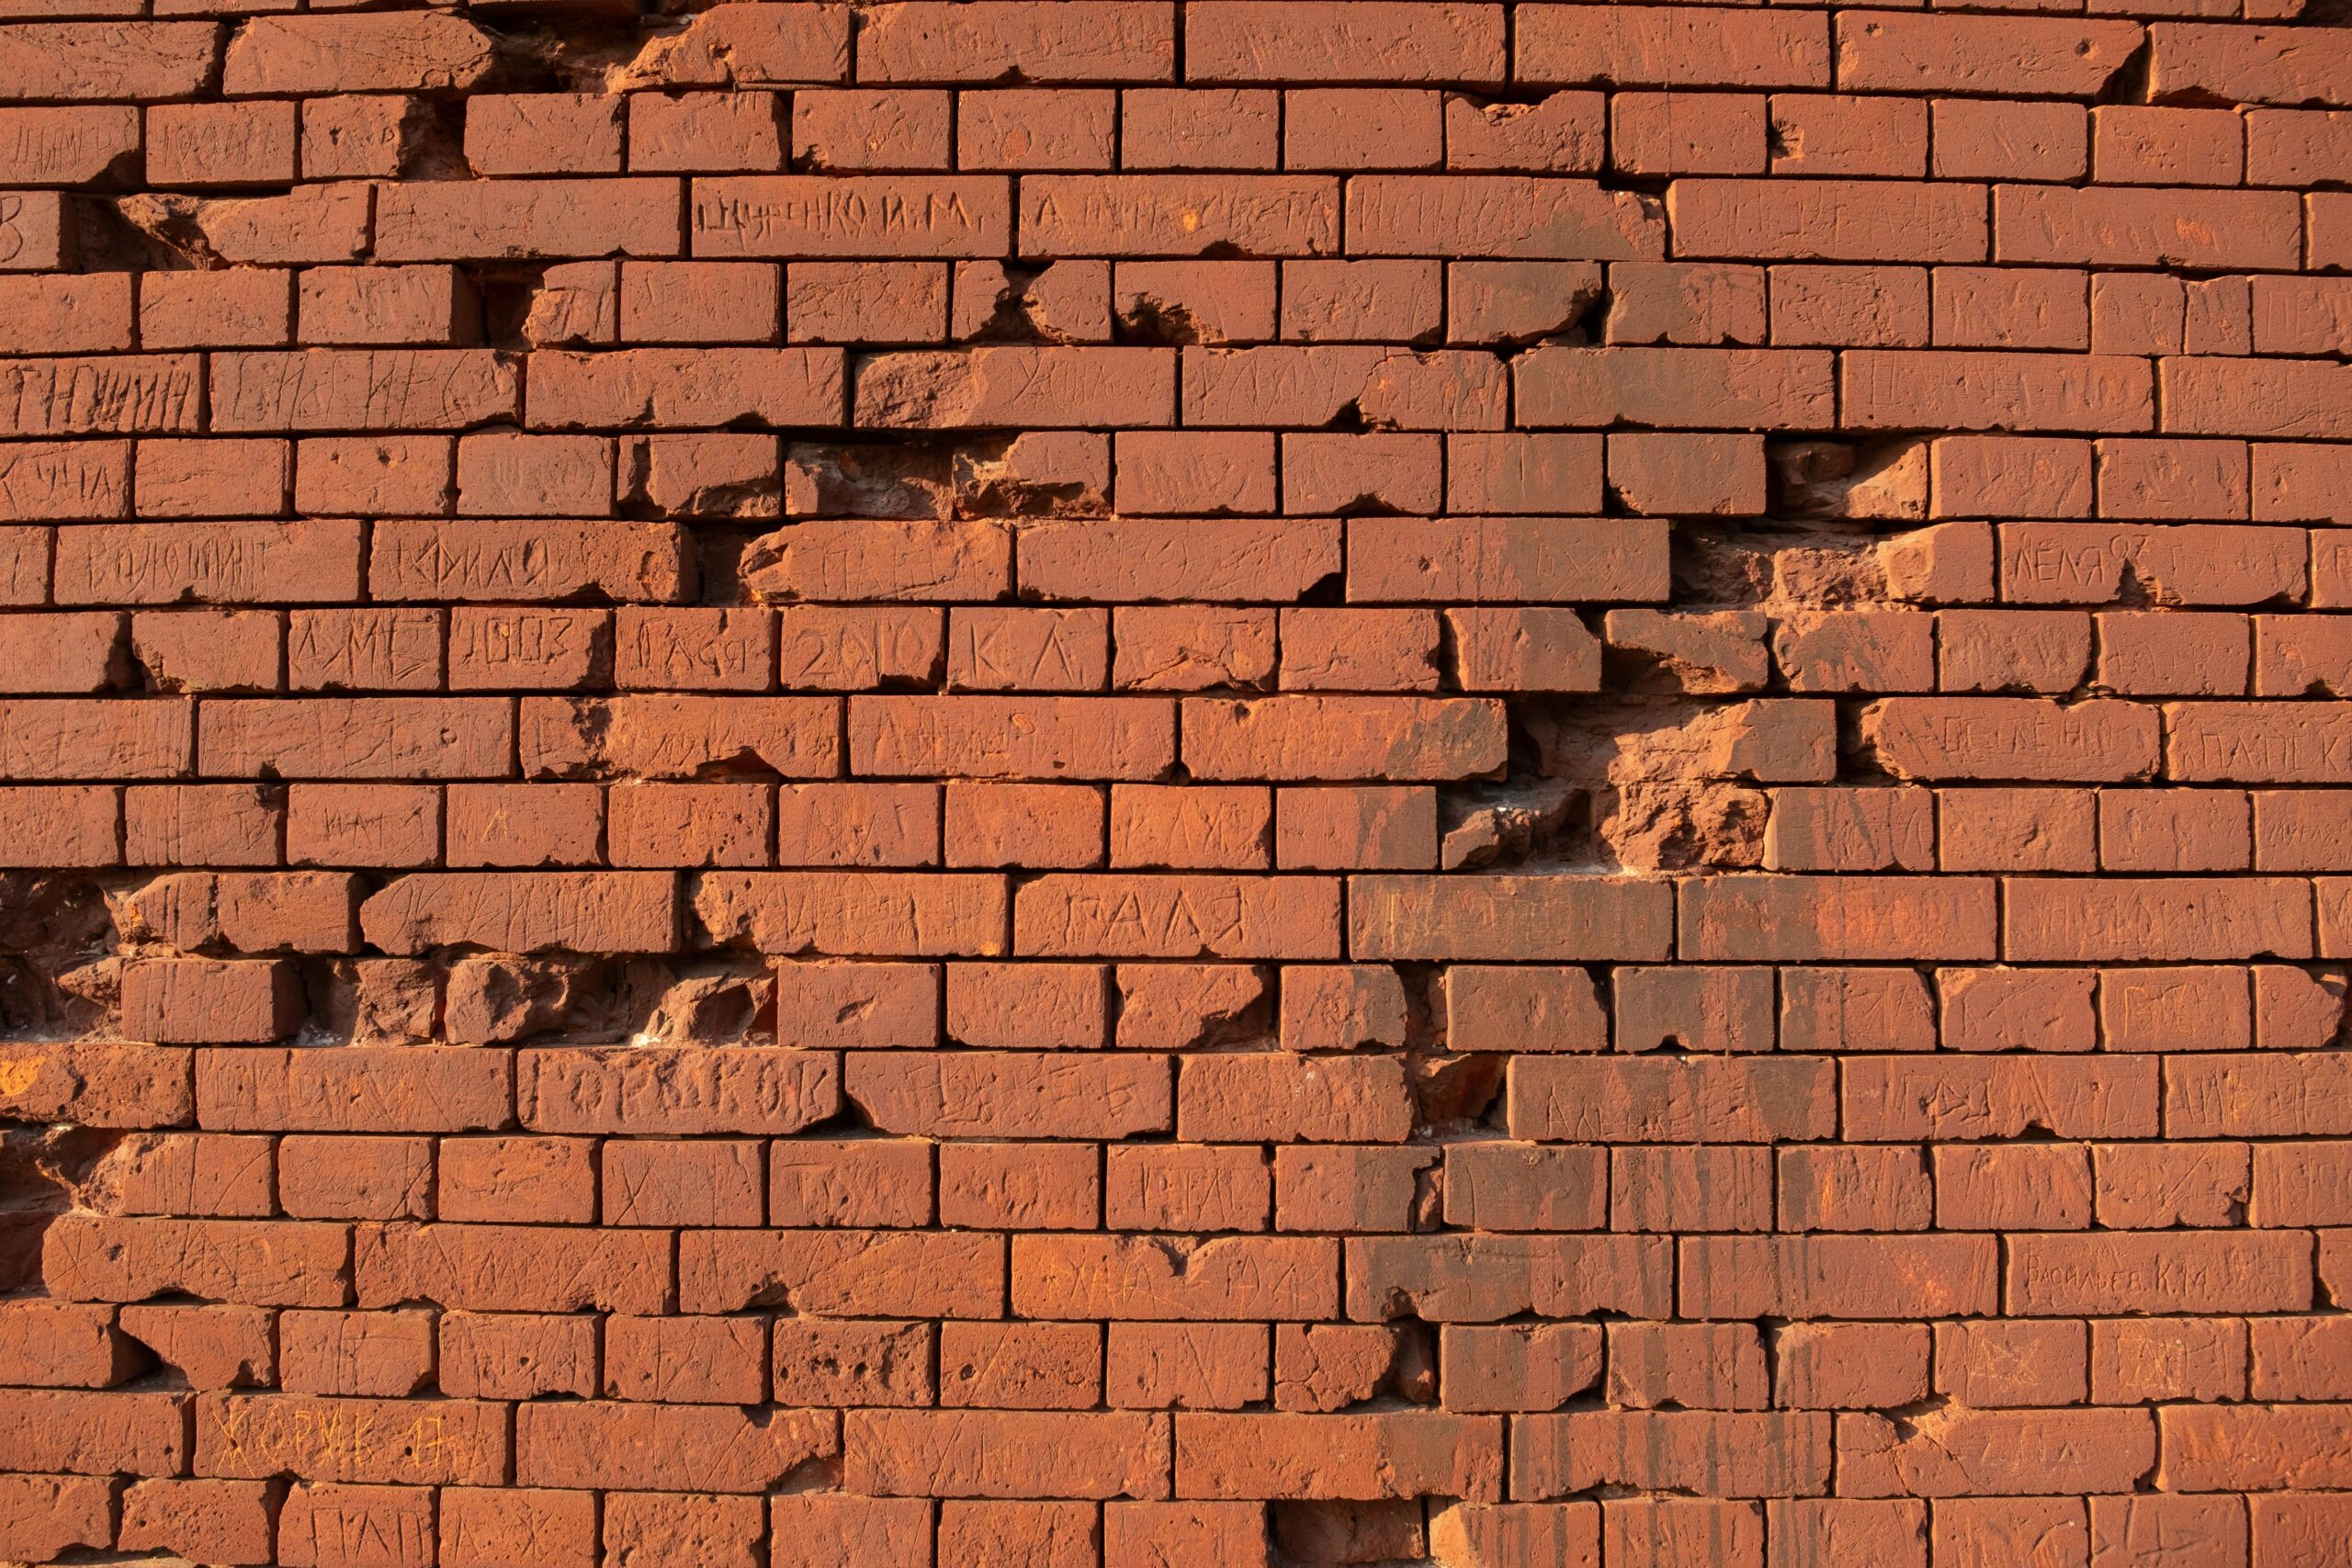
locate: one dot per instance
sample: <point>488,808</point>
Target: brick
<point>1685,301</point>
<point>925,40</point>
<point>820,561</point>
<point>695,131</point>
<point>1852,1190</point>
<point>1842,1009</point>
<point>1176,1005</point>
<point>1348,1456</point>
<point>1504,560</point>
<point>725,1271</point>
<point>1995,389</point>
<point>2112,228</point>
<point>1847,831</point>
<point>1808,1276</point>
<point>644,387</point>
<point>846,301</point>
<point>811,217</point>
<point>698,302</point>
<point>2134,145</point>
<point>1186,1187</point>
<point>66,315</point>
<point>1352,1187</point>
<point>2085,563</point>
<point>1038,387</point>
<point>1505,301</point>
<point>379,53</point>
<point>1709,1453</point>
<point>1316,384</point>
<point>1986,650</point>
<point>197,999</point>
<point>1850,1364</point>
<point>1260,43</point>
<point>1013,1095</point>
<point>66,145</point>
<point>1879,307</point>
<point>1189,1366</point>
<point>1065,129</point>
<point>329,390</point>
<point>1841,220</point>
<point>2250,397</point>
<point>1485,1278</point>
<point>2215,1272</point>
<point>543,134</point>
<point>528,825</point>
<point>1696,133</point>
<point>1244,1097</point>
<point>358,136</point>
<point>1995,1452</point>
<point>1009,1531</point>
<point>1563,133</point>
<point>1994,1009</point>
<point>635,910</point>
<point>596,1442</point>
<point>1064,302</point>
<point>2047,477</point>
<point>2053,57</point>
<point>1723,474</point>
<point>854,1364</point>
<point>222,562</point>
<point>37,235</point>
<point>1527,1367</point>
<point>805,1526</point>
<point>1690,1365</point>
<point>1751,388</point>
<point>2012,738</point>
<point>1850,135</point>
<point>326,1524</point>
<point>2264,1446</point>
<point>1746,918</point>
<point>2071,1098</point>
<point>2000,1188</point>
<point>2174,920</point>
<point>351,1177</point>
<point>1151,215</point>
<point>1556,917</point>
<point>1109,1454</point>
<point>1570,1100</point>
<point>43,480</point>
<point>1990,308</point>
<point>373,477</point>
<point>1346,128</point>
<point>754,46</point>
<point>2296,1530</point>
<point>540,218</point>
<point>1664,46</point>
<point>536,649</point>
<point>1655,1189</point>
<point>208,478</point>
<point>1498,215</point>
<point>2253,64</point>
<point>227,1520</point>
<point>2135,1358</point>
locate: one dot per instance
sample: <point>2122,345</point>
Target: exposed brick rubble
<point>1101,784</point>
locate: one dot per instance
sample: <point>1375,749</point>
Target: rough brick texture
<point>1115,783</point>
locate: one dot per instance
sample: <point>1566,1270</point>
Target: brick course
<point>1104,784</point>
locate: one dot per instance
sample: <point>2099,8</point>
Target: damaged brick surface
<point>1118,784</point>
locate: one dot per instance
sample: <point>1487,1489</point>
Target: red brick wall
<point>1049,784</point>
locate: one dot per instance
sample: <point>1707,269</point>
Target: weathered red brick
<point>937,711</point>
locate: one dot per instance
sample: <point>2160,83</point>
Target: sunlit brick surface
<point>1123,784</point>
